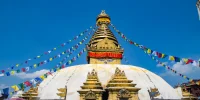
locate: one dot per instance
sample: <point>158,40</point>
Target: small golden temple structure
<point>92,89</point>
<point>118,88</point>
<point>31,94</point>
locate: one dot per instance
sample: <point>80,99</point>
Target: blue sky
<point>29,28</point>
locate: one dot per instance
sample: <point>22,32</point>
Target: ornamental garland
<point>151,54</point>
<point>39,79</point>
<point>48,52</point>
<point>159,54</point>
<point>174,71</point>
<point>105,54</point>
<point>26,69</point>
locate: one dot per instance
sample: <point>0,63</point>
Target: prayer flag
<point>37,79</point>
<point>185,60</point>
<point>17,65</point>
<point>2,71</point>
<point>49,51</point>
<point>149,51</point>
<point>18,71</point>
<point>171,58</point>
<point>21,85</point>
<point>5,92</point>
<point>198,9</point>
<point>50,59</point>
<point>12,72</point>
<point>23,70</point>
<point>35,65</point>
<point>7,73</point>
<point>15,88</point>
<point>1,75</point>
<point>163,56</point>
<point>189,61</point>
<point>159,54</point>
<point>177,59</point>
<point>27,68</point>
<point>42,77</point>
<point>45,75</point>
<point>27,83</point>
<point>194,63</point>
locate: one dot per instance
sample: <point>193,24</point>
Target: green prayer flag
<point>18,71</point>
<point>21,85</point>
<point>45,75</point>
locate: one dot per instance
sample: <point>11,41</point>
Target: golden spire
<point>103,20</point>
<point>104,43</point>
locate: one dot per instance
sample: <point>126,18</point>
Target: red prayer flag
<point>27,83</point>
<point>63,66</point>
<point>131,42</point>
<point>159,54</point>
<point>189,61</point>
<point>23,69</point>
<point>2,71</point>
<point>49,73</point>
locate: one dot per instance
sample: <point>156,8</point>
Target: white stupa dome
<point>140,76</point>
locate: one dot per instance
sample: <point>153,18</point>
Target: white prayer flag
<point>27,68</point>
<point>33,81</point>
<point>198,8</point>
<point>194,63</point>
<point>49,51</point>
<point>1,75</point>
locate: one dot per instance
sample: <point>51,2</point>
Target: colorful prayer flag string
<point>42,77</point>
<point>49,51</point>
<point>48,60</point>
<point>158,54</point>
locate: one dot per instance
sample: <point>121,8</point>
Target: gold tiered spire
<point>92,88</point>
<point>103,43</point>
<point>31,94</point>
<point>62,92</point>
<point>119,86</point>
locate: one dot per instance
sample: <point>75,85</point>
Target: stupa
<point>104,77</point>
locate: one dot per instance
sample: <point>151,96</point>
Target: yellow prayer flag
<point>12,72</point>
<point>163,55</point>
<point>54,48</point>
<point>184,76</point>
<point>17,65</point>
<point>163,64</point>
<point>42,77</point>
<point>10,93</point>
<point>171,58</point>
<point>35,65</point>
<point>63,53</point>
<point>38,56</point>
<point>148,51</point>
<point>185,60</point>
<point>50,59</point>
<point>15,87</point>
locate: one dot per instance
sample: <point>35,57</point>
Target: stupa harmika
<point>104,77</point>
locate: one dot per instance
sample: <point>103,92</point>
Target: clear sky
<point>31,27</point>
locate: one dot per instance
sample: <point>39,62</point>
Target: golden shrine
<point>31,94</point>
<point>120,88</point>
<point>92,89</point>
